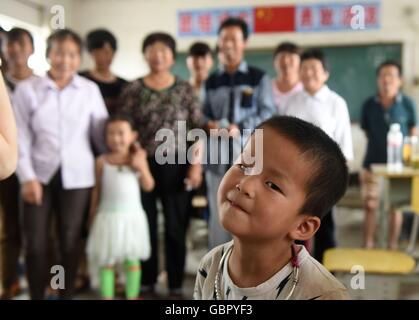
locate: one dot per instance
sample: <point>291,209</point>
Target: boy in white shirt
<point>303,174</point>
<point>326,109</point>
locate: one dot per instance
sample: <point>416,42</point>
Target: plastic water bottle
<point>395,148</point>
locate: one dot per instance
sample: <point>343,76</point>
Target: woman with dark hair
<point>102,46</point>
<point>160,100</point>
<point>18,45</point>
<point>57,116</point>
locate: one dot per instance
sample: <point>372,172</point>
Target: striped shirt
<point>314,282</point>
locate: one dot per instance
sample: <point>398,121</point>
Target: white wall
<point>30,13</point>
<point>34,12</point>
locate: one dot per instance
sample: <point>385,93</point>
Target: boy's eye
<point>244,168</point>
<point>273,186</point>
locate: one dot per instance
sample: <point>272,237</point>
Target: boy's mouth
<point>236,205</point>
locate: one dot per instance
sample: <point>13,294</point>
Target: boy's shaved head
<point>329,180</point>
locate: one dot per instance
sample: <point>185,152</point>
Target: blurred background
<point>389,30</point>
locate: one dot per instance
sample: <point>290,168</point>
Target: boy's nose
<point>245,187</point>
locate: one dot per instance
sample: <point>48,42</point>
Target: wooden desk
<point>395,193</point>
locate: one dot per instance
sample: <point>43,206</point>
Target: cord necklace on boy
<point>295,272</point>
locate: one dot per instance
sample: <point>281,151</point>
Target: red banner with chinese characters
<point>332,16</point>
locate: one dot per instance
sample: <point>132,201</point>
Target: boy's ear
<point>307,227</point>
<point>135,135</point>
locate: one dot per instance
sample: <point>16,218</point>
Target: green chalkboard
<point>352,69</point>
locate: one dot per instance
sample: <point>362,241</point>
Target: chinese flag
<point>274,19</point>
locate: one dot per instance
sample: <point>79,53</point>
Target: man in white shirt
<point>326,109</point>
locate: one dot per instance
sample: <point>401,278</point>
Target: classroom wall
<point>28,13</point>
<point>35,16</point>
<point>35,12</point>
<point>131,20</point>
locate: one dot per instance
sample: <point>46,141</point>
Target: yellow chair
<point>396,265</point>
<point>375,261</point>
<point>378,260</point>
<point>381,271</point>
<point>415,208</point>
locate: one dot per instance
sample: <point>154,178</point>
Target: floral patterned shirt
<point>152,110</point>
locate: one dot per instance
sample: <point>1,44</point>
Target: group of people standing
<point>66,119</point>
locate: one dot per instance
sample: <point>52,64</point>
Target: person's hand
<point>194,176</point>
<point>138,158</point>
<point>233,130</point>
<point>213,127</point>
<point>32,192</point>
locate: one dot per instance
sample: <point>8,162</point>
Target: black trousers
<point>10,237</point>
<point>69,206</point>
<point>325,237</point>
<point>176,202</point>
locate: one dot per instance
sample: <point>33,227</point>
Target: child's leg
<point>370,191</point>
<point>369,228</point>
<point>133,279</point>
<point>107,282</point>
<point>396,220</point>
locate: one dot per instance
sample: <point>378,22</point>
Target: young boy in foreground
<point>304,174</point>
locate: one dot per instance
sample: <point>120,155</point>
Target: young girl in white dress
<point>119,231</point>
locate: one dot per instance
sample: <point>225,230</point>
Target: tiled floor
<point>349,234</point>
